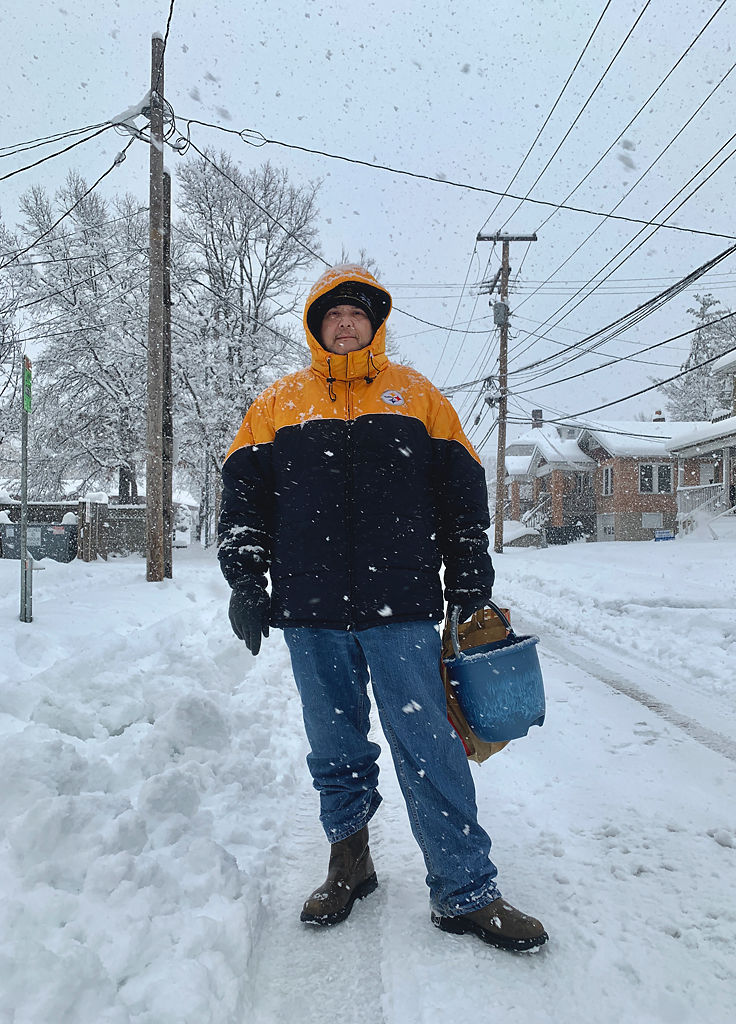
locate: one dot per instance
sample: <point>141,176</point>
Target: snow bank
<point>142,794</point>
<point>160,830</point>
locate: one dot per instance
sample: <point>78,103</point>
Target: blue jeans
<point>331,670</point>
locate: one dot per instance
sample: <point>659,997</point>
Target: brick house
<point>550,481</point>
<point>610,481</point>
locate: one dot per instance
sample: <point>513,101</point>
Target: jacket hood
<point>365,361</point>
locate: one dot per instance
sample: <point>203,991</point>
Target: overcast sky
<point>454,90</point>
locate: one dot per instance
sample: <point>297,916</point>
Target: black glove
<point>249,614</point>
<point>469,604</point>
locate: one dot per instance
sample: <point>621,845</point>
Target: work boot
<point>350,877</point>
<point>499,924</point>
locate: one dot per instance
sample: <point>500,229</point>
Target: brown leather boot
<point>350,877</point>
<point>499,924</point>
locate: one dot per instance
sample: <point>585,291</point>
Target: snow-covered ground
<point>159,831</point>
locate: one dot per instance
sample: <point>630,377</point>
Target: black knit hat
<point>372,301</point>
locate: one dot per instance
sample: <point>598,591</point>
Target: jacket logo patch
<point>393,398</point>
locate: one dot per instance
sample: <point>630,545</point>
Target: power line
<point>549,115</point>
<point>510,183</point>
<point>70,234</point>
<point>690,277</point>
<point>626,128</point>
<point>89,256</point>
<point>163,49</point>
<point>79,282</point>
<point>52,156</point>
<point>653,387</point>
<point>599,427</point>
<point>636,183</point>
<point>116,162</point>
<point>63,315</point>
<point>618,359</point>
<point>457,309</point>
<point>298,240</point>
<point>621,324</point>
<point>581,111</point>
<point>262,140</point>
<point>22,147</point>
<point>643,107</point>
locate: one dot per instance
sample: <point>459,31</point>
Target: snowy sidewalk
<point>160,831</point>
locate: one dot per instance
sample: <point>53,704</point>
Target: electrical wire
<point>70,234</point>
<point>22,147</point>
<point>653,387</point>
<point>79,282</point>
<point>116,162</point>
<point>510,183</point>
<point>643,107</point>
<point>457,311</point>
<point>628,357</point>
<point>444,181</point>
<point>52,156</point>
<point>549,115</point>
<point>299,241</point>
<point>39,325</point>
<point>623,248</point>
<point>690,277</point>
<point>89,256</point>
<point>623,323</point>
<point>163,51</point>
<point>580,112</point>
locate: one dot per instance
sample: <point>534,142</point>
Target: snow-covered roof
<point>518,465</point>
<point>705,435</point>
<point>637,439</point>
<point>726,364</point>
<point>548,443</point>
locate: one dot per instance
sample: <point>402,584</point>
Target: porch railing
<point>696,504</point>
<point>538,516</point>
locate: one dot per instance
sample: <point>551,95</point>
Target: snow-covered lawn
<point>159,831</point>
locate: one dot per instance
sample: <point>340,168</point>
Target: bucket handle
<point>455,621</point>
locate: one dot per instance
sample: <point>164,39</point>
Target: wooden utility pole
<point>501,319</point>
<point>155,377</point>
<point>167,411</point>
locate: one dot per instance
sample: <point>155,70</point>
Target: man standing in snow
<point>351,483</point>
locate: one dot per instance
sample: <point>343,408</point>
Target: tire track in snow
<point>709,738</point>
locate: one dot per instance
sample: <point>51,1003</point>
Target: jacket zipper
<point>349,497</point>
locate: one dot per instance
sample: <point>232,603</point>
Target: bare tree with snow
<point>243,239</point>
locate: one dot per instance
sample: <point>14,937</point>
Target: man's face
<point>345,329</point>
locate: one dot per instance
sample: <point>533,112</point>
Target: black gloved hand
<point>249,613</point>
<point>469,604</point>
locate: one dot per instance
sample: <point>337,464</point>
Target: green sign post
<point>26,562</point>
<point>27,381</point>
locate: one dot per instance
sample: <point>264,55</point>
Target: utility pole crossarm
<point>498,237</point>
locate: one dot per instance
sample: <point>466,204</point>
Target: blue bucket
<point>499,685</point>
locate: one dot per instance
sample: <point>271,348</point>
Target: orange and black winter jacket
<point>350,481</point>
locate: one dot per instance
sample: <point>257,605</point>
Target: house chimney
<point>537,417</point>
<point>658,417</point>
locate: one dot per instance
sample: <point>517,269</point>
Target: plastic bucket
<point>499,685</point>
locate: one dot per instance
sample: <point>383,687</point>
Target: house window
<point>651,520</point>
<point>582,483</point>
<point>608,480</point>
<point>655,478</point>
